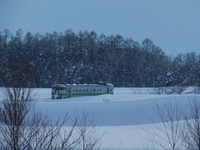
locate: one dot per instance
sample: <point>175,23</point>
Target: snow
<point>125,117</point>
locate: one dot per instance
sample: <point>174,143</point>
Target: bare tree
<point>16,106</point>
<point>23,127</point>
<point>178,129</point>
<point>167,134</point>
<point>191,130</point>
<point>89,140</point>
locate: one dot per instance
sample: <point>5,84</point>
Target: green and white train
<point>60,91</point>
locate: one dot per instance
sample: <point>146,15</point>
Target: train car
<point>60,91</point>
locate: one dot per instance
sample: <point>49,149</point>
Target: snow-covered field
<point>125,117</point>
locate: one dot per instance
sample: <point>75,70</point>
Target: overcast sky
<point>173,25</point>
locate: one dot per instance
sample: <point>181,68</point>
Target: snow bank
<point>124,117</point>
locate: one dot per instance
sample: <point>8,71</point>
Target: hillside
<point>124,116</point>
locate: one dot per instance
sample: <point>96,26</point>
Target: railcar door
<point>69,92</point>
<point>108,89</point>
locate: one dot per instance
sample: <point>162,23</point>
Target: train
<point>60,91</point>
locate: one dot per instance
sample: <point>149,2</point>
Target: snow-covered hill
<point>124,116</point>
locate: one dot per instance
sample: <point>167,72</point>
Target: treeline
<point>42,60</point>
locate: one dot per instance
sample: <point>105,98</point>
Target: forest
<point>66,57</point>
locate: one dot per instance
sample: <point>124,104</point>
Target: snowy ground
<point>125,117</point>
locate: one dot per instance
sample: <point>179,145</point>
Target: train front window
<point>58,88</point>
<point>61,88</point>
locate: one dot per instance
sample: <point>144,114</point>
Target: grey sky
<point>174,25</point>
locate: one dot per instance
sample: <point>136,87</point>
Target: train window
<point>83,90</point>
<point>86,90</point>
<point>79,90</point>
<point>94,90</point>
<point>60,88</point>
